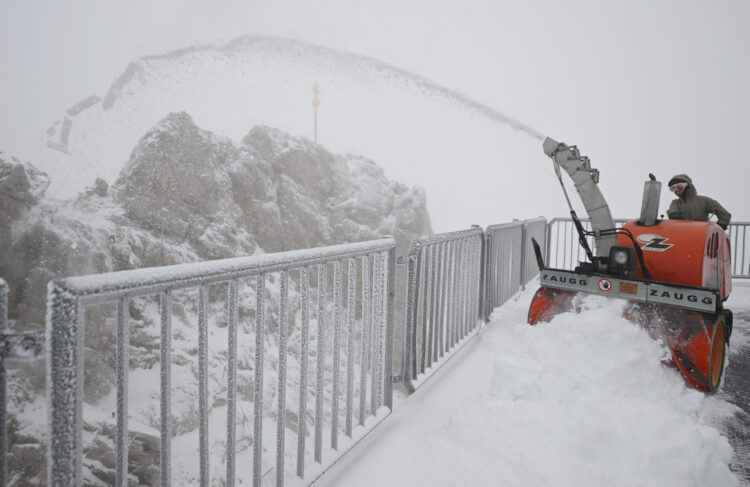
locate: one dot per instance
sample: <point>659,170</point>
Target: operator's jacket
<point>692,206</point>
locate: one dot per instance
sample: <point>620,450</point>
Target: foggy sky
<point>641,85</point>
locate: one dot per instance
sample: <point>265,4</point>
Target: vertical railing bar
<point>322,280</point>
<point>64,386</point>
<point>489,277</point>
<point>410,318</point>
<point>450,329</point>
<point>351,303</point>
<point>473,275</point>
<point>498,254</point>
<point>231,382</point>
<point>165,311</point>
<point>499,277</point>
<point>122,360</point>
<point>565,247</point>
<point>438,286</point>
<point>410,359</point>
<point>736,250</point>
<point>418,331</point>
<point>382,330</point>
<point>381,303</point>
<point>445,252</point>
<point>364,358</point>
<point>260,326</point>
<point>450,298</point>
<point>745,271</point>
<point>390,270</point>
<point>336,354</point>
<point>465,298</point>
<point>203,383</point>
<point>454,299</point>
<point>304,359</point>
<point>449,287</point>
<point>281,387</point>
<point>476,277</point>
<point>435,304</point>
<point>375,343</point>
<point>460,298</point>
<point>3,389</point>
<point>425,305</point>
<point>463,294</point>
<point>478,282</point>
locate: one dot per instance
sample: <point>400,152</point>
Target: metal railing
<point>509,259</point>
<point>443,296</point>
<point>18,346</point>
<point>563,249</point>
<point>453,281</point>
<point>369,273</point>
<point>740,244</point>
<point>3,388</point>
<point>564,252</point>
<point>536,229</point>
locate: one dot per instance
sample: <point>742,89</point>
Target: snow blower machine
<point>675,274</point>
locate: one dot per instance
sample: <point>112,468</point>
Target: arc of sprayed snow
<point>422,83</point>
<point>356,61</point>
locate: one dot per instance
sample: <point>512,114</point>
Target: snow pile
<point>581,401</point>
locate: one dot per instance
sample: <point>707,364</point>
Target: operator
<point>691,206</point>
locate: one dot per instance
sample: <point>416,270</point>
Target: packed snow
<point>581,401</point>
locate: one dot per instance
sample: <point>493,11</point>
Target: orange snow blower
<point>675,274</point>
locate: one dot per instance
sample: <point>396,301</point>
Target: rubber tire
<point>718,347</point>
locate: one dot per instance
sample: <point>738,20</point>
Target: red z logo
<point>654,242</point>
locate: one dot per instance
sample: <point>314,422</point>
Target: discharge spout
<point>586,180</point>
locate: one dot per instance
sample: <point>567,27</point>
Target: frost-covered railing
<point>509,260</point>
<point>738,239</point>
<point>563,249</point>
<point>442,300</point>
<point>3,388</point>
<point>362,276</point>
<point>532,229</point>
<point>12,346</point>
<point>564,252</point>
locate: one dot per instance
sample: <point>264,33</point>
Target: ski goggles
<point>678,188</point>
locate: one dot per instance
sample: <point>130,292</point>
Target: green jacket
<point>692,206</point>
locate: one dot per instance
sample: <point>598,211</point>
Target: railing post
<point>64,386</point>
<point>524,237</point>
<point>389,314</point>
<point>3,387</point>
<point>410,319</point>
<point>482,275</point>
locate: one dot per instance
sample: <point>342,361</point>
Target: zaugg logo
<point>576,281</point>
<point>679,296</point>
<point>654,242</point>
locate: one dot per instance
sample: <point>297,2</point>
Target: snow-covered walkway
<point>581,401</point>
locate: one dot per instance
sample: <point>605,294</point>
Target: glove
<point>723,226</point>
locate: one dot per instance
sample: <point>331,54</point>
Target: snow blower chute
<point>675,274</point>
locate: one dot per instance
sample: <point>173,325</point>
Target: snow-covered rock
<point>184,195</point>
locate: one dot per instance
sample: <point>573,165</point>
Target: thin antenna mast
<point>316,104</point>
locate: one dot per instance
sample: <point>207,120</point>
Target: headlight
<point>622,260</point>
<point>621,257</point>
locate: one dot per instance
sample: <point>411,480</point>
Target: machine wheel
<point>698,347</point>
<point>718,352</point>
